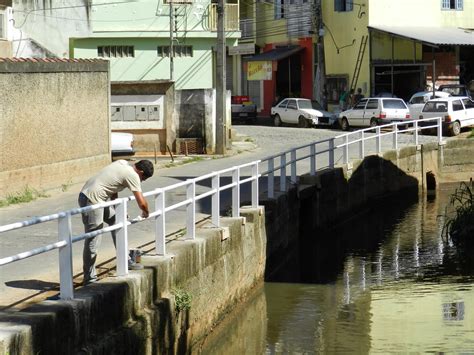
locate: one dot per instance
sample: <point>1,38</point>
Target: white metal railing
<point>66,237</point>
<point>326,147</point>
<point>343,142</point>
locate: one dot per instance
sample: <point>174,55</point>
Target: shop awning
<point>277,53</point>
<point>431,36</point>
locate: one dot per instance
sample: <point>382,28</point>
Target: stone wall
<point>54,122</point>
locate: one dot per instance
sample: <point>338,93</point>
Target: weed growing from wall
<point>182,299</point>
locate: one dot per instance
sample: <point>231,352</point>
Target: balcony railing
<point>247,28</point>
<point>231,17</point>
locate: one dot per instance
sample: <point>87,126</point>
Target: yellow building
<point>393,46</point>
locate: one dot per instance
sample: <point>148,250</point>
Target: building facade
<point>393,46</point>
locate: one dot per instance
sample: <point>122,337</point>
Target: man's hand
<point>141,202</point>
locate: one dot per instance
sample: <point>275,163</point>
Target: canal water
<point>386,281</point>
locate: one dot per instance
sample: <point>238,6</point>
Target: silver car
<point>303,112</point>
<point>374,111</point>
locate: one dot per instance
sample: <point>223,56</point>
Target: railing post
<point>346,149</point>
<point>271,178</point>
<point>160,223</point>
<point>378,140</point>
<point>122,238</point>
<point>331,153</point>
<point>216,200</point>
<point>236,193</point>
<point>440,130</point>
<point>312,159</point>
<point>416,132</point>
<point>395,137</point>
<point>293,166</point>
<point>283,172</point>
<point>65,258</point>
<point>362,145</point>
<point>191,209</point>
<point>255,185</point>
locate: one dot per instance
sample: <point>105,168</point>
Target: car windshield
<point>436,106</point>
<point>304,104</point>
<point>316,105</point>
<point>394,104</point>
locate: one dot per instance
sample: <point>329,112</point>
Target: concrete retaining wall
<point>54,122</point>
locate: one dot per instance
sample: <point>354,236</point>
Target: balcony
<point>231,17</point>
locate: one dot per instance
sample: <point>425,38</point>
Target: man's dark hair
<point>147,167</point>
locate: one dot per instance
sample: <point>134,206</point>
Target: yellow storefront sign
<point>261,70</point>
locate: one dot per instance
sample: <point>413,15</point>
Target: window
<point>292,104</point>
<point>283,104</point>
<point>451,4</point>
<point>279,9</point>
<point>457,105</point>
<point>372,104</point>
<point>115,51</point>
<point>468,103</point>
<point>3,24</point>
<point>179,51</point>
<point>395,104</point>
<point>343,5</point>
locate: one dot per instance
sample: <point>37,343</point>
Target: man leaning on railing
<point>102,187</point>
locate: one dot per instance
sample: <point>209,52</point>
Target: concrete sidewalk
<point>36,278</point>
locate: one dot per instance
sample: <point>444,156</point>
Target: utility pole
<point>220,80</point>
<point>321,96</point>
<point>171,41</point>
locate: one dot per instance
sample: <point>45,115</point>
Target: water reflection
<point>385,282</point>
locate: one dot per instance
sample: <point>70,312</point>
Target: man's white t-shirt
<point>111,180</point>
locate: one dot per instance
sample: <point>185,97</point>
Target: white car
<point>457,112</point>
<point>370,112</point>
<point>122,143</point>
<point>418,100</point>
<point>303,112</point>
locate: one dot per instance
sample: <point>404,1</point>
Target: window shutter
<point>349,5</point>
<point>336,5</point>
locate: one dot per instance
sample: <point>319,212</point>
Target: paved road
<point>24,280</point>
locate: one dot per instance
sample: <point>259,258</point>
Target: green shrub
<point>460,227</point>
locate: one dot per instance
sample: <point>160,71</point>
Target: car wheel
<point>455,128</point>
<point>303,122</point>
<point>344,124</point>
<point>373,122</point>
<point>277,120</point>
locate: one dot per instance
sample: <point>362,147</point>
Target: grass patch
<point>27,195</point>
<point>472,134</point>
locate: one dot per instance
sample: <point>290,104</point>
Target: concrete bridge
<point>148,311</point>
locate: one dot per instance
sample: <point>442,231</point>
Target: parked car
<point>303,112</point>
<point>418,100</point>
<point>373,111</point>
<point>242,108</point>
<point>457,112</point>
<point>122,144</point>
<point>456,90</point>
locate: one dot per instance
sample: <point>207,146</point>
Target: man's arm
<point>141,203</point>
